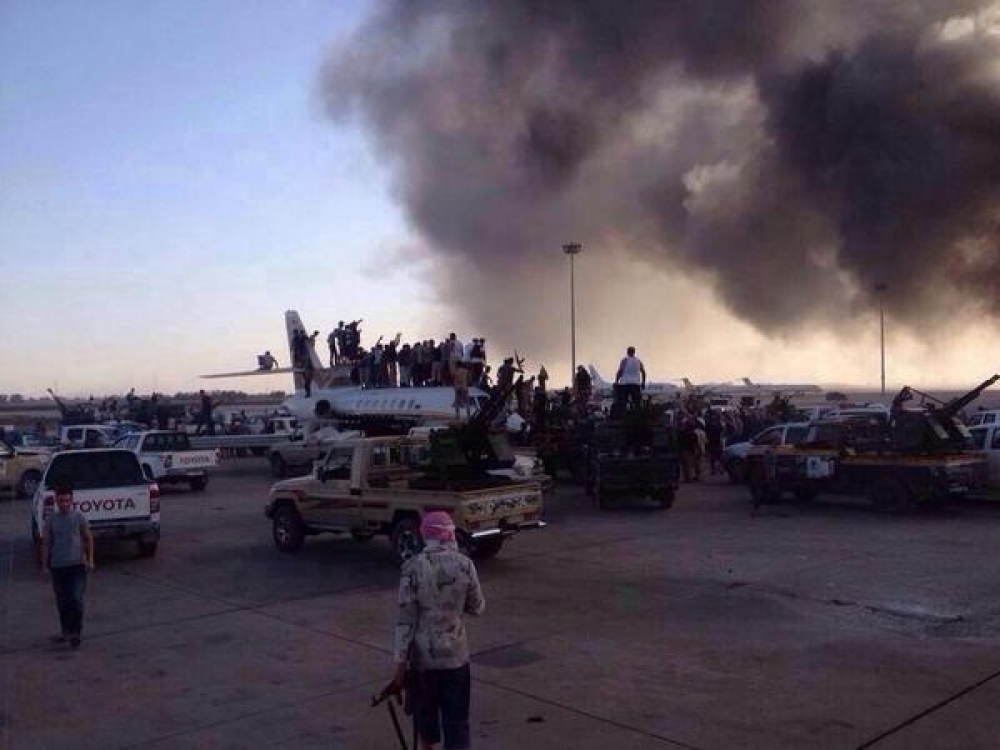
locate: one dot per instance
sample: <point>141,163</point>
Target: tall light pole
<point>881,288</point>
<point>571,249</point>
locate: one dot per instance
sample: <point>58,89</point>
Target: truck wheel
<point>148,549</point>
<point>760,491</point>
<point>890,496</point>
<point>665,497</point>
<point>287,529</point>
<point>604,500</point>
<point>805,494</point>
<point>405,539</point>
<point>278,468</point>
<point>484,549</point>
<point>737,471</point>
<point>198,484</point>
<point>29,482</point>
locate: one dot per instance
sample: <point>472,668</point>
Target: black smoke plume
<point>790,154</point>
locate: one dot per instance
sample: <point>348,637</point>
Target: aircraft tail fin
<point>596,378</point>
<point>748,382</point>
<point>294,323</point>
<point>687,384</point>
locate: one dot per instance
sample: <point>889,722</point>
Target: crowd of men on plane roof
<point>392,364</point>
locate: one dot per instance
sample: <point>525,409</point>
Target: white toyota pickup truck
<point>109,489</point>
<point>168,457</point>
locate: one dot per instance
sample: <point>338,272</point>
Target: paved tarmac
<point>706,626</point>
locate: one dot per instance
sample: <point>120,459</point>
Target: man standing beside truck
<point>68,554</point>
<point>438,586</point>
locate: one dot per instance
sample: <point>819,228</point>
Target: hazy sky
<point>171,184</point>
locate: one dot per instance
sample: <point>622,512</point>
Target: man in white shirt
<point>631,378</point>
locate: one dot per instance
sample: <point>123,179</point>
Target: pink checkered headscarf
<point>437,526</point>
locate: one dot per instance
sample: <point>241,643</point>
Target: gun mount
<point>468,450</point>
<point>935,428</point>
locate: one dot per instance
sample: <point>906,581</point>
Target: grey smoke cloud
<point>789,154</point>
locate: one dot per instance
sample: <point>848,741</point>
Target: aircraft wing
<point>245,373</point>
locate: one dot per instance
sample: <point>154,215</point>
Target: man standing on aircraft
<point>333,341</point>
<point>205,421</point>
<point>631,378</point>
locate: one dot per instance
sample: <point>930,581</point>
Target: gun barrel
<point>957,404</point>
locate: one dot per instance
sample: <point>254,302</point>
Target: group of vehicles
<point>369,482</point>
<point>899,458</point>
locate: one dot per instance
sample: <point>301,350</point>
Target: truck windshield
<point>90,471</point>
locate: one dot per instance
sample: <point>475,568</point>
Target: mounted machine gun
<point>935,428</point>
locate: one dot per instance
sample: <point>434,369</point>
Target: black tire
<point>148,549</point>
<point>737,471</point>
<point>198,484</point>
<point>485,549</point>
<point>287,529</point>
<point>278,468</point>
<point>890,496</point>
<point>28,484</point>
<point>405,538</point>
<point>665,497</point>
<point>760,491</point>
<point>805,495</point>
<point>604,500</point>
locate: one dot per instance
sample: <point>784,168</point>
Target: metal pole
<point>571,250</point>
<point>880,288</point>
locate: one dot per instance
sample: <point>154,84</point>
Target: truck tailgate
<point>511,504</point>
<point>189,460</point>
<point>114,504</point>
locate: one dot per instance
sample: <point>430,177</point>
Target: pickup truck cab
<point>109,488</point>
<point>21,471</point>
<point>87,436</point>
<point>986,438</point>
<point>167,457</point>
<point>984,417</point>
<point>734,457</point>
<point>297,456</point>
<point>380,486</point>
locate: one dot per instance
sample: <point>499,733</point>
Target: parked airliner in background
<point>333,397</point>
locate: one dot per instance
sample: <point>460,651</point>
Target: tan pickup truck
<point>370,486</point>
<point>20,472</point>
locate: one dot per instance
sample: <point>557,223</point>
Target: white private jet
<point>333,397</point>
<point>785,389</point>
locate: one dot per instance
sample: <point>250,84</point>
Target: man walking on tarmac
<point>631,378</point>
<point>67,552</point>
<point>438,586</point>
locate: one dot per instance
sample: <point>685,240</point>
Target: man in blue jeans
<point>438,586</point>
<point>68,554</point>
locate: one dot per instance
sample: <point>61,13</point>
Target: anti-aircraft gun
<point>936,427</point>
<point>73,414</point>
<point>460,456</point>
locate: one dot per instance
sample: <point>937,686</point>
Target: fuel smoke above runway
<point>787,155</point>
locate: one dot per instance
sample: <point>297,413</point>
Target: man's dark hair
<point>631,351</point>
<point>63,487</point>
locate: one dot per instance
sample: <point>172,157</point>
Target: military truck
<point>898,459</point>
<point>632,456</point>
<point>378,486</point>
<point>384,485</point>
